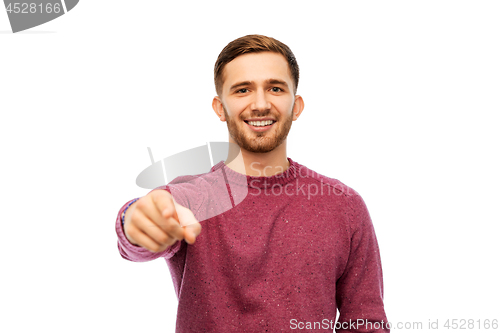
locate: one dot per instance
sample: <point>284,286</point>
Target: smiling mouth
<point>262,123</point>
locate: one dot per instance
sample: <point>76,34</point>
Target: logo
<point>27,14</point>
<point>190,180</point>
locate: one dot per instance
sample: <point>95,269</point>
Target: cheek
<point>235,108</point>
<point>284,107</point>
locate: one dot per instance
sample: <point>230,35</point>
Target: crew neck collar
<point>234,177</point>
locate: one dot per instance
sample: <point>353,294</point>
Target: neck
<point>258,164</point>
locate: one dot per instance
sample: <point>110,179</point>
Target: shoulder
<point>335,195</point>
<point>314,177</point>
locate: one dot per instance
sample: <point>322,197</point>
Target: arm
<point>360,288</point>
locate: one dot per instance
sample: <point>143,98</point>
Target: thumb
<point>188,221</point>
<point>191,232</point>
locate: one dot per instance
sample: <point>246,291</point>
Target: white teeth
<point>260,123</point>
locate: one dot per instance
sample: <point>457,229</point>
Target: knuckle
<point>160,194</point>
<point>141,203</point>
<point>161,248</point>
<point>171,227</point>
<point>169,209</point>
<point>155,248</point>
<point>133,216</point>
<point>168,226</point>
<point>131,231</point>
<point>164,247</point>
<point>135,221</point>
<point>162,238</point>
<point>171,241</point>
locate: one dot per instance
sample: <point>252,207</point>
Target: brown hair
<point>253,44</point>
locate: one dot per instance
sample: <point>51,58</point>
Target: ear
<point>298,107</point>
<point>219,110</point>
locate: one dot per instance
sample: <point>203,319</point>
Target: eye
<point>276,89</point>
<point>242,90</point>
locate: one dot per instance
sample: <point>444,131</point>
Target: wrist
<point>125,210</point>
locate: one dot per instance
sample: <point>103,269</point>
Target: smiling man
<point>297,247</point>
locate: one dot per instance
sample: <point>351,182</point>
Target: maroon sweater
<point>278,253</point>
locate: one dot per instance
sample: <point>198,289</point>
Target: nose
<point>260,101</point>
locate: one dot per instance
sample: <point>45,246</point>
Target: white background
<point>401,104</point>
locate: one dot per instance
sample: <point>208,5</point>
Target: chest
<point>271,235</point>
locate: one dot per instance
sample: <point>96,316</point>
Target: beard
<point>259,142</point>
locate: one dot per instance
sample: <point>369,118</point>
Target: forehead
<point>257,67</point>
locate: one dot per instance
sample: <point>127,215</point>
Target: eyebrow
<point>249,83</point>
<point>240,84</point>
<point>276,81</point>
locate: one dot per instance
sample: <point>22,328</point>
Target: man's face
<point>257,101</point>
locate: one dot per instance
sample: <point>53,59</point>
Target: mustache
<point>256,114</point>
<point>259,115</point>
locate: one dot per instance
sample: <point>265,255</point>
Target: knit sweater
<point>279,253</point>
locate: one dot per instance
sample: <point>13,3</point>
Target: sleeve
<point>359,291</point>
<point>136,253</point>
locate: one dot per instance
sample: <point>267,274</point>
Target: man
<point>287,254</point>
